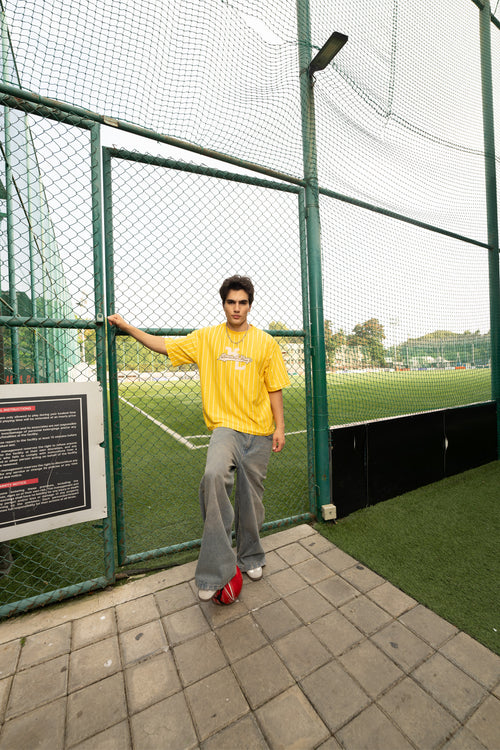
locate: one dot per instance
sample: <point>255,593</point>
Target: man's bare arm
<point>155,343</point>
<point>276,399</point>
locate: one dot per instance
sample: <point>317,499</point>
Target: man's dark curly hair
<point>236,283</point>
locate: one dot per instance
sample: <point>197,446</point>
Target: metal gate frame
<point>113,153</point>
<point>15,321</point>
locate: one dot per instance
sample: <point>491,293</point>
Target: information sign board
<point>52,465</point>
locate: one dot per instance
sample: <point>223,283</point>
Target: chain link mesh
<point>47,278</point>
<point>399,126</point>
<point>176,237</point>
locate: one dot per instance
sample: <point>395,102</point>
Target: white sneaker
<point>206,594</point>
<point>255,574</point>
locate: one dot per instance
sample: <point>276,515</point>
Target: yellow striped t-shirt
<point>237,372</point>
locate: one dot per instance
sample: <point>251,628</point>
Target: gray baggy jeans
<point>230,451</point>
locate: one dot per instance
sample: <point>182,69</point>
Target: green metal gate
<point>173,231</point>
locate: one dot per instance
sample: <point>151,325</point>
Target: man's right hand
<point>116,320</point>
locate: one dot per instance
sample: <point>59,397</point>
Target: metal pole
<point>14,334</point>
<point>320,402</point>
<point>99,294</point>
<point>491,204</point>
<point>34,335</point>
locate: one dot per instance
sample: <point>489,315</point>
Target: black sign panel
<point>44,464</point>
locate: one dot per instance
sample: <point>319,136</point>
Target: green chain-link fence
<point>174,232</point>
<point>397,301</point>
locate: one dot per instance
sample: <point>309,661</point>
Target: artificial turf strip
<point>439,544</point>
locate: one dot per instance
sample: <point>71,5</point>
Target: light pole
<point>320,400</point>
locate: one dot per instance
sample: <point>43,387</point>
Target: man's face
<point>237,308</point>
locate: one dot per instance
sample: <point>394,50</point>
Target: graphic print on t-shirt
<point>233,355</point>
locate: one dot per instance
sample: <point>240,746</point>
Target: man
<point>242,375</point>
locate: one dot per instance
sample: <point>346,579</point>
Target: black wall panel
<point>471,433</point>
<point>349,475</point>
<point>403,454</point>
<point>377,460</point>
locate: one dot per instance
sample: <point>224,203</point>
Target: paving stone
<point>313,571</point>
<point>256,594</point>
<point>243,734</point>
<point>289,721</point>
<point>137,612</point>
<point>463,740</point>
<point>428,625</point>
<point>337,560</point>
<point>276,620</point>
<point>93,663</point>
<point>308,604</point>
<point>241,637</point>
<point>288,536</point>
<point>334,694</point>
<point>95,708</point>
<point>402,646</point>
<point>372,730</point>
<point>216,616</point>
<point>286,582</point>
<point>294,553</point>
<point>216,702</point>
<point>302,652</point>
<point>336,632</point>
<point>273,563</point>
<point>318,544</point>
<point>392,599</point>
<point>474,658</point>
<point>336,590</point>
<point>374,671</point>
<point>5,686</point>
<point>198,658</point>
<point>42,729</point>
<point>485,723</point>
<point>9,655</point>
<point>175,598</point>
<point>165,725</point>
<point>151,681</point>
<point>330,744</point>
<point>262,675</point>
<point>362,578</point>
<point>188,623</point>
<point>92,628</point>
<point>142,642</point>
<point>455,690</point>
<point>37,685</point>
<point>365,614</point>
<point>46,645</point>
<point>114,738</point>
<point>423,720</point>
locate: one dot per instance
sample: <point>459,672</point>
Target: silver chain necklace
<point>236,343</point>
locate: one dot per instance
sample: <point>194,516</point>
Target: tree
<point>369,336</point>
<point>333,342</point>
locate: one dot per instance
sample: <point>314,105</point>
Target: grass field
<point>439,544</point>
<point>161,474</point>
<point>358,397</point>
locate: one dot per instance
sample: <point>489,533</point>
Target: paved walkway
<point>321,653</point>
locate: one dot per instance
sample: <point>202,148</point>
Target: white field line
<point>163,427</point>
<point>183,440</point>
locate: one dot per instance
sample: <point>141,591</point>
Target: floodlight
<point>328,52</point>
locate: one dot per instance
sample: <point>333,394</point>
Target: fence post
<point>320,401</point>
<point>99,293</point>
<point>491,203</point>
<point>9,198</point>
